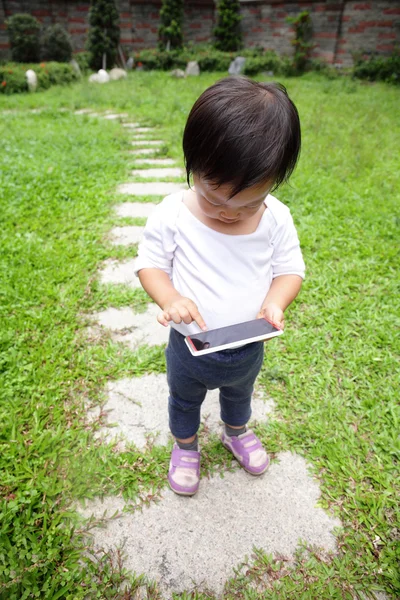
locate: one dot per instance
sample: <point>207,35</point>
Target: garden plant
<point>333,376</point>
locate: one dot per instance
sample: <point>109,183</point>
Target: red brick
<point>3,26</point>
<point>76,20</point>
<point>195,25</point>
<point>342,41</point>
<point>281,15</point>
<point>339,61</point>
<point>346,18</point>
<point>387,36</point>
<point>125,15</point>
<point>41,13</point>
<point>202,39</point>
<point>82,8</point>
<point>357,29</point>
<point>62,14</point>
<point>154,30</point>
<point>341,51</point>
<point>134,41</point>
<point>254,11</point>
<point>385,47</point>
<point>4,46</point>
<point>276,35</point>
<point>257,29</point>
<point>391,11</point>
<point>265,20</point>
<point>72,31</point>
<point>142,26</point>
<point>365,6</point>
<point>376,23</point>
<point>325,34</point>
<point>124,25</point>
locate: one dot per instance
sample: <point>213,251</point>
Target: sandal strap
<point>178,455</point>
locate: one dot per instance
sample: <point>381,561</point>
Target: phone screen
<point>241,332</point>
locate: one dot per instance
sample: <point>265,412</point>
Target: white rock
<point>116,74</point>
<point>192,68</point>
<point>147,142</point>
<point>236,67</point>
<point>178,73</point>
<point>32,80</point>
<point>155,161</point>
<point>100,77</point>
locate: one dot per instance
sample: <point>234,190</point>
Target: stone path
<point>180,542</point>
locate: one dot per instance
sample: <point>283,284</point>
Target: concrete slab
<point>182,542</point>
<point>127,235</point>
<point>135,209</point>
<point>118,272</point>
<point>144,129</point>
<point>112,117</point>
<point>142,151</point>
<point>131,125</point>
<point>134,329</point>
<point>138,408</point>
<point>159,173</point>
<point>83,111</point>
<point>147,142</point>
<point>155,161</point>
<point>155,188</point>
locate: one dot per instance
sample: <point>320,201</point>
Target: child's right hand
<point>181,309</point>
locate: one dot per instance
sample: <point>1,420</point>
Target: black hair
<point>243,133</point>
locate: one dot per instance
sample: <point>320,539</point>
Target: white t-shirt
<point>227,276</point>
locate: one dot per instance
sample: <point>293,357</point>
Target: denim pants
<point>189,377</point>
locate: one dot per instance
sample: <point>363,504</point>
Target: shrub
<point>228,36</point>
<point>170,34</point>
<point>23,32</point>
<point>103,38</point>
<point>56,44</point>
<point>302,40</point>
<point>13,79</point>
<point>378,68</point>
<point>83,60</point>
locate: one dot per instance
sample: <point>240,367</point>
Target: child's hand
<point>181,309</point>
<point>273,313</point>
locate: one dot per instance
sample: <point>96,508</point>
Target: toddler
<point>223,252</point>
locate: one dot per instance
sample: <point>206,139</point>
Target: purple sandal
<point>248,450</point>
<point>184,471</point>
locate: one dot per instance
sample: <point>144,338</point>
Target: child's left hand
<point>273,313</point>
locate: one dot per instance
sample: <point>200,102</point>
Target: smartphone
<point>231,336</point>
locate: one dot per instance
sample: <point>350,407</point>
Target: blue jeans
<point>189,378</point>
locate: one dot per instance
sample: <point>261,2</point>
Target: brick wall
<point>340,27</point>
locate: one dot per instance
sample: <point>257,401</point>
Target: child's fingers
<point>196,316</point>
<point>163,318</point>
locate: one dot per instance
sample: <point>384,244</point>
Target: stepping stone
<point>134,329</point>
<point>83,111</point>
<point>135,209</point>
<point>140,137</point>
<point>127,235</point>
<point>156,188</point>
<point>118,272</point>
<point>148,142</point>
<point>220,526</point>
<point>133,416</point>
<point>115,116</point>
<point>130,125</point>
<point>155,161</point>
<point>145,129</point>
<point>143,151</point>
<point>150,173</point>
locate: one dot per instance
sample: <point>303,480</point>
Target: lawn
<point>334,376</point>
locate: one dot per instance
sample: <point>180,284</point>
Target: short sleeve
<point>157,248</point>
<point>287,258</point>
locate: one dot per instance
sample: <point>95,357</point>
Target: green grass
<point>334,375</point>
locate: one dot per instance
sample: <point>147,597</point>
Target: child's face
<point>216,204</point>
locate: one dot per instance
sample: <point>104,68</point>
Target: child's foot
<point>184,471</point>
<point>248,450</point>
